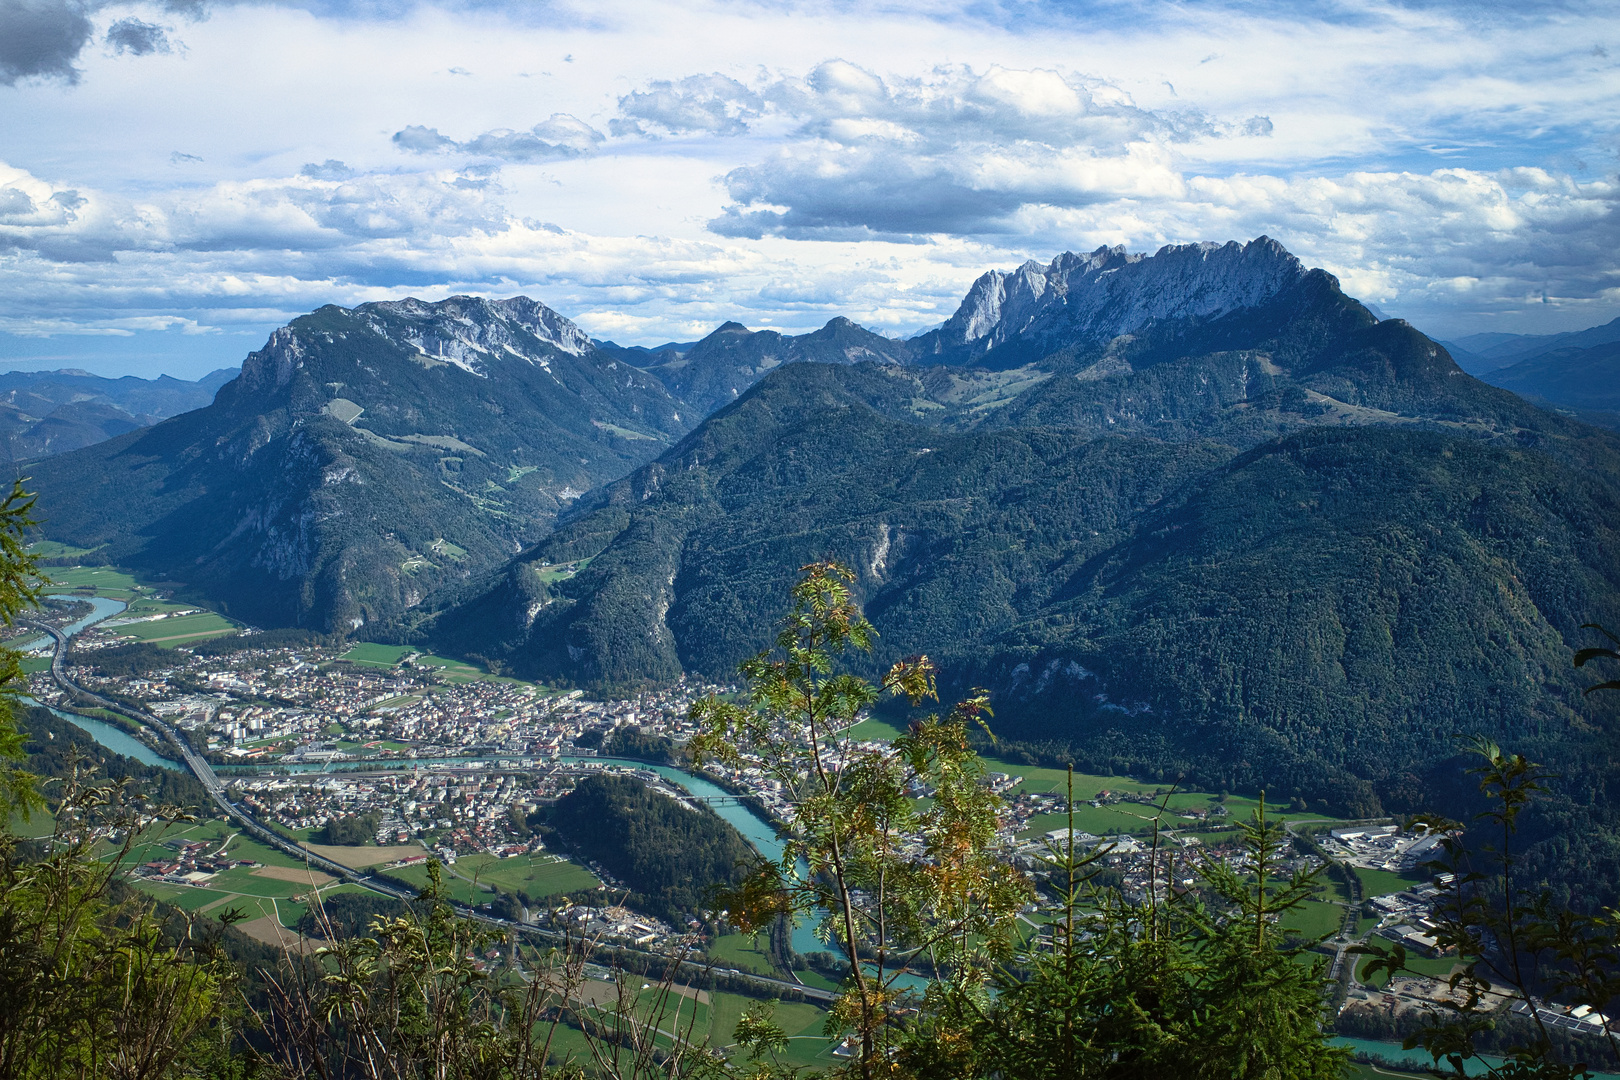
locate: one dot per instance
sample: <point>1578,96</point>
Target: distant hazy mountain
<point>1576,373</point>
<point>1585,382</point>
<point>712,373</point>
<point>49,412</point>
<point>365,459</point>
<point>1481,353</point>
<point>642,355</point>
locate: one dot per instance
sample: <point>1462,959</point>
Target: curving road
<point>204,772</point>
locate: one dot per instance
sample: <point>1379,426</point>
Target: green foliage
<point>91,985</point>
<point>1524,946</point>
<point>19,590</point>
<point>1587,655</point>
<point>1165,987</point>
<point>351,830</point>
<point>890,880</point>
<point>670,856</point>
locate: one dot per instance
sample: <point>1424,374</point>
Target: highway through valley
<point>204,772</point>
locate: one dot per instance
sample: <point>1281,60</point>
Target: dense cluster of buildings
<point>281,707</point>
<point>458,764</point>
<point>193,862</point>
<point>1383,847</point>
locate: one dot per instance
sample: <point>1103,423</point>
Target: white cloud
<point>782,164</point>
<point>561,136</point>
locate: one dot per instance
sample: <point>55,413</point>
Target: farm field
<point>538,875</point>
<point>259,895</point>
<point>368,652</point>
<point>379,655</point>
<point>1383,882</point>
<point>740,951</point>
<point>1315,918</point>
<point>453,670</point>
<point>815,979</point>
<point>802,1022</point>
<point>179,629</point>
<point>459,888</point>
<point>106,581</point>
<point>55,549</point>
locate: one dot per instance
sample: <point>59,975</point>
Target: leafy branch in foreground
<point>1519,952</point>
<point>1586,656</point>
<point>92,981</point>
<point>897,884</point>
<point>1184,982</point>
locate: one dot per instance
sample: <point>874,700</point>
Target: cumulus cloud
<point>139,38</point>
<point>41,39</point>
<point>330,169</point>
<point>709,104</point>
<point>260,252</point>
<point>562,136</point>
<point>956,152</point>
<point>1044,160</point>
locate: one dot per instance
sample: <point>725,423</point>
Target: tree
<point>93,981</point>
<point>19,591</point>
<point>893,883</point>
<point>1520,951</point>
<point>1163,986</point>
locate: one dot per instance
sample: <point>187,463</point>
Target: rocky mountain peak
<point>1110,292</point>
<point>465,330</point>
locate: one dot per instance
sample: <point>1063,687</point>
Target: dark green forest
<point>670,856</point>
<point>349,830</point>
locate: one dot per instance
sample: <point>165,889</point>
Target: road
<point>205,774</point>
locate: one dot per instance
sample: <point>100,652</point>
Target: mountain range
<point>1196,513</point>
<point>51,412</point>
<point>1576,373</point>
<point>363,459</point>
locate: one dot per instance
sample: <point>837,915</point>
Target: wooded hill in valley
<point>670,856</point>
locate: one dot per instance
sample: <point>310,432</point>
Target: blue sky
<point>177,178</point>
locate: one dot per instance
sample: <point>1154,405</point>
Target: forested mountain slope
<point>365,459</point>
<point>1328,610</point>
<point>1323,574</point>
<point>955,532</point>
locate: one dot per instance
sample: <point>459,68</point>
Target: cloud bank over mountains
<point>220,169</point>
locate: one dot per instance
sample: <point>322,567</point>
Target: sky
<point>178,178</point>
